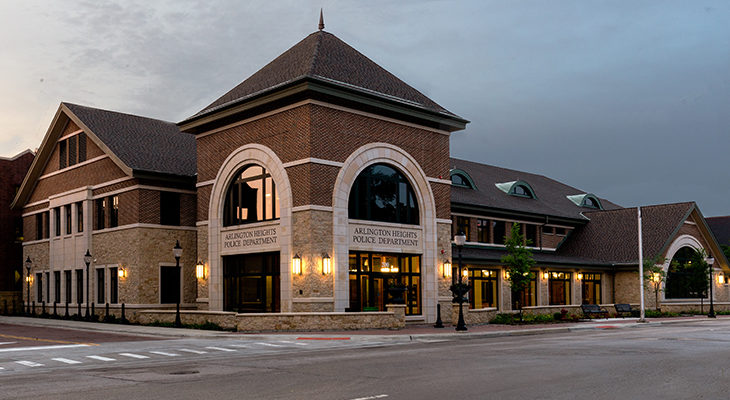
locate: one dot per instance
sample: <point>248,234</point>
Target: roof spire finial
<point>321,20</point>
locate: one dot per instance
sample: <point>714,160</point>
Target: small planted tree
<point>697,275</point>
<point>518,262</point>
<point>654,276</point>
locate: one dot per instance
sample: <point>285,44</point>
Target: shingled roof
<point>720,227</point>
<point>142,144</point>
<point>323,57</point>
<point>551,195</point>
<point>612,236</point>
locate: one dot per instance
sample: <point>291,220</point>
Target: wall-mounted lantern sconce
<point>580,276</point>
<point>656,277</point>
<point>721,278</point>
<point>296,265</point>
<point>446,269</point>
<point>200,270</point>
<point>545,275</point>
<point>465,272</point>
<point>122,272</point>
<point>506,274</point>
<point>326,264</point>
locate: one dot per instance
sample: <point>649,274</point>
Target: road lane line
<point>32,339</point>
<point>61,346</point>
<point>132,355</point>
<point>193,351</point>
<point>162,353</point>
<point>242,346</point>
<point>2,343</point>
<point>269,344</point>
<point>29,363</point>
<point>66,361</point>
<point>100,358</point>
<point>378,396</point>
<point>219,348</point>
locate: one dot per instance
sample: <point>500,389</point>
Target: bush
<point>505,319</point>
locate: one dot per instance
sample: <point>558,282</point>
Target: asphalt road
<point>679,361</point>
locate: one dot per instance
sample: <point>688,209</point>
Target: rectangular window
<point>80,216</point>
<point>39,226</point>
<point>560,231</point>
<point>462,225</point>
<point>67,285</point>
<point>531,235</point>
<point>100,295</point>
<point>559,288</point>
<point>484,285</point>
<point>79,286</point>
<point>498,232</point>
<point>46,224</point>
<point>113,285</point>
<point>483,226</point>
<point>62,156</point>
<point>170,286</point>
<point>526,297</point>
<point>72,151</point>
<point>114,212</point>
<point>56,286</point>
<point>39,286</point>
<point>48,286</point>
<point>591,289</point>
<point>548,230</point>
<point>57,220</point>
<point>100,213</point>
<point>82,147</point>
<point>169,208</point>
<point>68,219</point>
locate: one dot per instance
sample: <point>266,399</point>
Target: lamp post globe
<point>87,261</point>
<point>460,289</point>
<point>28,264</point>
<point>177,253</point>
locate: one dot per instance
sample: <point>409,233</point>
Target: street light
<point>87,261</point>
<point>710,261</point>
<point>177,252</point>
<point>28,264</point>
<point>460,289</point>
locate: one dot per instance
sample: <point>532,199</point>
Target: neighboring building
<point>315,185</point>
<point>11,235</point>
<point>721,229</point>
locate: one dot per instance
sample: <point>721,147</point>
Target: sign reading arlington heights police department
<point>385,238</point>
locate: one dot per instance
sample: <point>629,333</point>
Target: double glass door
<point>378,279</point>
<point>251,283</point>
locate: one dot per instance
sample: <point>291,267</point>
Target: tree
<point>518,262</point>
<point>726,250</point>
<point>697,272</point>
<point>654,276</point>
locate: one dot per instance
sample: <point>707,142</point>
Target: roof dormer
<point>517,188</point>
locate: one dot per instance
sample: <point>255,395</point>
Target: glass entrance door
<point>372,275</point>
<point>251,283</point>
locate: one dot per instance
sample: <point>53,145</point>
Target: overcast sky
<point>629,100</point>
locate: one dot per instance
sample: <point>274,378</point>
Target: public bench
<point>590,310</point>
<point>623,309</point>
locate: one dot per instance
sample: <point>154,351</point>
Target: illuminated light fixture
<point>326,264</point>
<point>465,272</point>
<point>200,270</point>
<point>506,274</point>
<point>721,278</point>
<point>296,265</point>
<point>122,272</point>
<point>545,275</point>
<point>29,279</point>
<point>580,275</point>
<point>447,269</point>
<point>656,277</point>
<point>555,275</point>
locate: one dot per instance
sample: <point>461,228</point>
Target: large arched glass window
<point>252,197</point>
<point>382,193</point>
<point>680,274</point>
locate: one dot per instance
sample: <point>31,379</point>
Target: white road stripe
<point>243,346</point>
<point>268,344</point>
<point>29,363</point>
<point>379,396</point>
<point>100,358</point>
<point>285,341</point>
<point>66,361</point>
<point>219,348</point>
<point>162,353</point>
<point>193,351</point>
<point>1,343</point>
<point>62,346</point>
<point>132,355</point>
<point>302,344</point>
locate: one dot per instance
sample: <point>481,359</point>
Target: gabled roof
<point>137,145</point>
<point>324,58</point>
<point>551,195</point>
<point>720,228</point>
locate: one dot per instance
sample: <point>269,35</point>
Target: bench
<point>593,309</point>
<point>623,309</point>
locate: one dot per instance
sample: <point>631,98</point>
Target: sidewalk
<point>410,332</point>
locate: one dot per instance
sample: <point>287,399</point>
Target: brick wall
<point>90,174</point>
<point>13,172</point>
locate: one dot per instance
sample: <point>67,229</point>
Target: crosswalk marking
<point>101,358</point>
<point>29,363</point>
<point>162,353</point>
<point>66,361</point>
<point>219,348</point>
<point>132,355</point>
<point>243,346</point>
<point>193,351</point>
<point>269,344</point>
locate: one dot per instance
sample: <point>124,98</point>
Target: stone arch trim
<point>360,159</point>
<point>264,156</point>
<point>677,244</point>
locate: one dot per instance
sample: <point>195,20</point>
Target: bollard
<point>65,315</point>
<point>106,313</point>
<point>43,308</point>
<point>78,312</point>
<point>54,309</point>
<point>93,313</point>
<point>439,323</point>
<point>32,310</point>
<point>124,319</point>
<point>13,306</point>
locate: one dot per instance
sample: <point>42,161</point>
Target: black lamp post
<point>460,289</point>
<point>87,261</point>
<point>711,314</point>
<point>28,264</point>
<point>177,252</point>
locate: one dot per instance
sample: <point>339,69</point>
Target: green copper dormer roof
<point>517,188</point>
<point>588,200</point>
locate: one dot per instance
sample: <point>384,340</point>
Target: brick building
<point>11,236</point>
<point>320,184</point>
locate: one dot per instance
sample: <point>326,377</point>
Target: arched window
<point>521,190</point>
<point>517,188</point>
<point>252,197</point>
<point>382,193</point>
<point>680,275</point>
<point>460,180</point>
